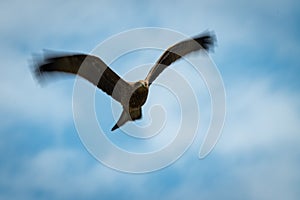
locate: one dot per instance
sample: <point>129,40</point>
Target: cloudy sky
<point>257,156</point>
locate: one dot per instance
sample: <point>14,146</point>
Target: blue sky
<point>257,156</point>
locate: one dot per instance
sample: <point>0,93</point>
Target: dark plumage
<point>131,95</point>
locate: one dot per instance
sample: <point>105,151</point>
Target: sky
<point>257,155</point>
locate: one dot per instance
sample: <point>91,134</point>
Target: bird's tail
<point>135,113</point>
<point>125,117</point>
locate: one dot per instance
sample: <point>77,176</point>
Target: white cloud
<point>259,116</point>
<point>256,157</point>
<point>64,173</point>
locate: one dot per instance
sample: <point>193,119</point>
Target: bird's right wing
<point>89,67</point>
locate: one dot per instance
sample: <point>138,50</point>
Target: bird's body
<point>139,94</point>
<point>131,95</point>
<point>132,103</point>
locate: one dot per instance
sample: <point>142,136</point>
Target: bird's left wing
<point>204,41</point>
<point>89,67</point>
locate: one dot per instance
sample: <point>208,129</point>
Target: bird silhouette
<point>131,95</point>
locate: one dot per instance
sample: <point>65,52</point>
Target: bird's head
<point>144,83</point>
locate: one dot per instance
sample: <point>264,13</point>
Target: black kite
<point>132,95</point>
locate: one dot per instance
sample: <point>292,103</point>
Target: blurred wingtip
<point>40,62</point>
<point>207,39</point>
<point>35,62</point>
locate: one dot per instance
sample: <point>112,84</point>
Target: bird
<point>131,95</point>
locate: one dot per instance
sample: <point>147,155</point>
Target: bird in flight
<point>131,95</point>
